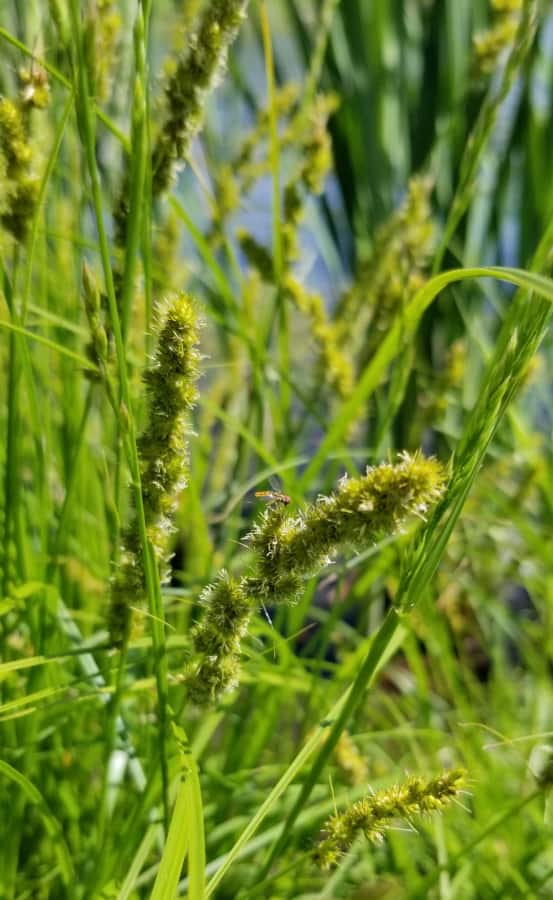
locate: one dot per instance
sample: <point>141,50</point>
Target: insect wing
<point>275,495</point>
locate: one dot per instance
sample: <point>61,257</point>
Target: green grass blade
<point>53,827</point>
<point>186,833</point>
<point>394,341</point>
<point>287,778</point>
<point>52,345</point>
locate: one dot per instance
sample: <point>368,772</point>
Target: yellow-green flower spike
<point>391,275</point>
<point>163,448</point>
<point>193,78</point>
<point>19,187</point>
<point>373,815</point>
<point>217,640</point>
<point>489,45</point>
<point>288,548</point>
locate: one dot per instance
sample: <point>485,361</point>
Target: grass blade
<point>186,833</point>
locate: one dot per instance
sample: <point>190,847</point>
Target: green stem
<point>133,224</point>
<point>384,642</point>
<point>280,304</point>
<point>72,482</point>
<point>377,652</point>
<point>478,140</point>
<point>151,575</point>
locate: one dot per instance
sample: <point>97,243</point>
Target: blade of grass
<point>392,344</point>
<point>391,631</point>
<point>59,77</point>
<point>52,345</point>
<point>150,572</point>
<point>185,833</point>
<point>53,827</point>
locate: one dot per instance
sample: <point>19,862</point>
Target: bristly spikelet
<point>313,140</point>
<point>257,255</point>
<point>15,148</point>
<point>19,188</point>
<point>170,386</point>
<point>212,677</point>
<point>492,44</point>
<point>392,274</point>
<point>35,89</point>
<point>349,760</point>
<point>372,815</point>
<point>97,347</point>
<point>102,29</point>
<point>334,365</point>
<point>307,133</point>
<point>288,549</point>
<point>195,74</point>
<point>163,448</point>
<point>109,30</point>
<point>126,588</point>
<point>233,179</point>
<point>217,638</point>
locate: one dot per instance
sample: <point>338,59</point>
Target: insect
<point>275,495</point>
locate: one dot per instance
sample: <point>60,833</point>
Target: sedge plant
<point>307,241</point>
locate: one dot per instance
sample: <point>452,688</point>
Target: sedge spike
<point>372,815</point>
<point>289,548</point>
<point>217,640</point>
<point>362,510</point>
<point>492,46</point>
<point>19,187</point>
<point>194,76</point>
<point>163,451</point>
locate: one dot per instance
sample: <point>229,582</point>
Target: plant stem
<point>151,574</point>
<point>353,698</point>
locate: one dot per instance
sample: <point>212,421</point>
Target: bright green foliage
<point>295,673</point>
<point>35,88</point>
<point>19,186</point>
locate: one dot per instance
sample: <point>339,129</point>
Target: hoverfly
<point>275,495</point>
